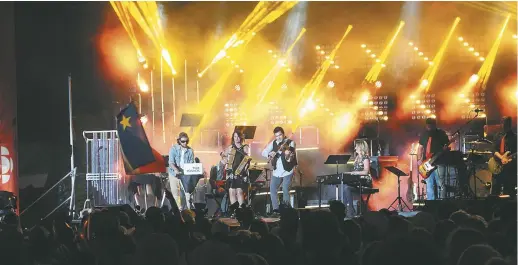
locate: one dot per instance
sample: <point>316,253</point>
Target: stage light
<point>424,83</point>
<point>145,65</point>
<point>425,58</point>
<point>310,105</point>
<point>368,51</point>
<point>363,46</point>
<point>515,36</point>
<point>383,65</point>
<point>143,119</point>
<point>466,44</point>
<point>474,78</point>
<point>322,52</point>
<point>428,111</point>
<point>232,62</point>
<point>337,66</point>
<point>420,53</point>
<point>275,56</point>
<point>237,66</point>
<point>327,57</point>
<point>430,63</point>
<point>284,86</point>
<point>385,118</point>
<point>332,62</point>
<point>476,54</point>
<point>411,43</point>
<point>461,95</point>
<point>471,49</point>
<point>373,55</point>
<point>378,60</point>
<point>380,112</point>
<point>143,86</point>
<point>378,84</point>
<point>317,47</point>
<point>241,70</point>
<point>288,70</point>
<point>416,49</point>
<point>330,84</point>
<point>237,87</point>
<point>433,116</point>
<point>141,59</point>
<point>460,38</point>
<point>270,51</point>
<point>482,59</point>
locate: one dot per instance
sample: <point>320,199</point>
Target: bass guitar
<point>495,165</point>
<point>428,166</point>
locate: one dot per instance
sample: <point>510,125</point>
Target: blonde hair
<point>364,148</point>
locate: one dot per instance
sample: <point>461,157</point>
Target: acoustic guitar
<point>428,166</point>
<point>495,165</point>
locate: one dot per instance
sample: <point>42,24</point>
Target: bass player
<point>281,154</point>
<point>433,140</point>
<point>504,146</point>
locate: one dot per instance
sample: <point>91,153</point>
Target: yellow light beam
<point>485,69</point>
<point>372,75</point>
<point>428,76</point>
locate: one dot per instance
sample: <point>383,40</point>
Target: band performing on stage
<point>443,172</point>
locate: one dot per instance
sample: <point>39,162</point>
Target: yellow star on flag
<point>125,122</point>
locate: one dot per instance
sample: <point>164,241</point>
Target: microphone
<point>478,110</point>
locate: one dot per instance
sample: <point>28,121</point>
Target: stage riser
<point>484,208</point>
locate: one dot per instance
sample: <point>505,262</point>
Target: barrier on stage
<point>104,168</point>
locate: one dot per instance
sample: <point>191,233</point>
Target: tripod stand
<point>400,203</point>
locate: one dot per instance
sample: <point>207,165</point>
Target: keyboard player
<point>361,168</point>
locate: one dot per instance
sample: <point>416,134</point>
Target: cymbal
<point>480,152</point>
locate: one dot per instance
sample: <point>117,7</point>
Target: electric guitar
<point>495,165</point>
<point>427,167</point>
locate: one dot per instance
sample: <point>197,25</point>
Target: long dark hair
<point>240,135</point>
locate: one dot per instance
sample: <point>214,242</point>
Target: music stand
<point>191,120</point>
<point>335,160</point>
<point>247,131</point>
<point>400,203</point>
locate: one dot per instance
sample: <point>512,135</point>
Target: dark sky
<point>52,40</point>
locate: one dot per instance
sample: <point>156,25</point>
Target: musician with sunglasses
<point>234,156</point>
<point>180,154</point>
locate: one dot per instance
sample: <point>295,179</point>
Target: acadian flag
<point>139,157</point>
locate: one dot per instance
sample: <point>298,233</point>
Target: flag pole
<point>72,206</point>
<point>162,97</point>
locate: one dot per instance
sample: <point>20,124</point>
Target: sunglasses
<point>184,141</point>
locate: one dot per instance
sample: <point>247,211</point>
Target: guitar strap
<point>502,145</point>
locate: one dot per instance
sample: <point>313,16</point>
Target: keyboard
<point>334,179</point>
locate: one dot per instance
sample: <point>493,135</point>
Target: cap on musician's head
<point>431,121</point>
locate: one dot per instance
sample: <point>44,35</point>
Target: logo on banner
<point>6,163</point>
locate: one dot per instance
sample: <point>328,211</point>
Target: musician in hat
<point>179,155</point>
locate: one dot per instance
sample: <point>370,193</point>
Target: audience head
<point>460,239</point>
<point>459,217</point>
<point>477,255</point>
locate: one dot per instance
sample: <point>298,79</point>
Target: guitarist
<point>281,154</point>
<point>180,154</point>
<point>433,140</point>
<point>505,145</point>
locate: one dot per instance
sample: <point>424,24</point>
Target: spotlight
<point>425,58</point>
<point>515,36</point>
<point>430,63</point>
<point>143,119</point>
<point>237,87</point>
<point>270,51</point>
<point>378,84</point>
<point>322,52</point>
<point>420,53</point>
<point>471,49</point>
<point>145,65</point>
<point>288,70</point>
<point>460,38</point>
<point>476,54</point>
<point>241,70</point>
<point>143,86</point>
<point>332,62</point>
<point>385,118</point>
<point>424,83</point>
<point>416,49</point>
<point>253,33</point>
<point>373,55</point>
<point>317,47</point>
<point>473,78</point>
<point>363,45</point>
<point>411,43</point>
<point>330,84</point>
<point>378,60</point>
<point>482,59</point>
<point>368,51</point>
<point>433,116</point>
<point>337,66</point>
<point>383,65</point>
<point>284,86</point>
<point>466,44</point>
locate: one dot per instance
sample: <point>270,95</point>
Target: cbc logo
<point>6,161</point>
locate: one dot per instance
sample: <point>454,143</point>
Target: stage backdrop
<point>8,152</point>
